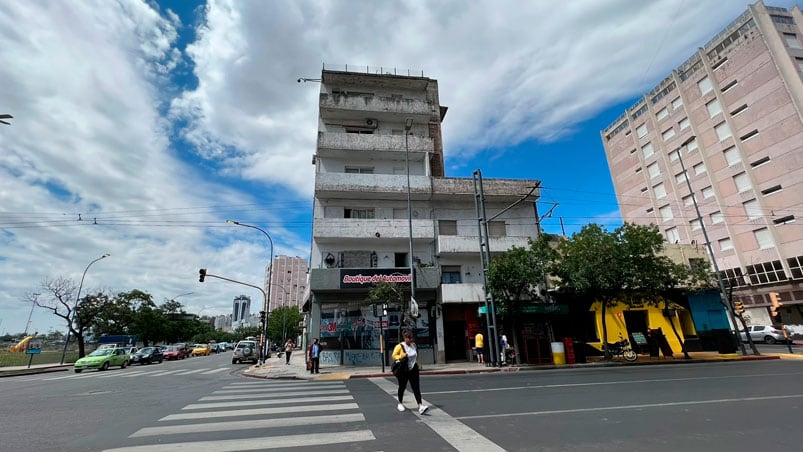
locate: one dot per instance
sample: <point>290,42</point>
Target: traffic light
<point>738,307</point>
<point>776,303</point>
<point>202,274</point>
<point>262,317</point>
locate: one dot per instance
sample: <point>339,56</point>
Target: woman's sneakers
<point>400,407</point>
<point>422,409</point>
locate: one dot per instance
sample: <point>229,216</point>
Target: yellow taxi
<point>201,350</point>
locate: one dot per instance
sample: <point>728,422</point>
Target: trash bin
<point>558,354</point>
<point>579,352</point>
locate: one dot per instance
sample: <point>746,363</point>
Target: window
<point>763,238</point>
<point>642,131</point>
<point>732,156</point>
<point>358,213</point>
<point>766,272</point>
<point>447,227</point>
<point>677,103</point>
<point>762,161</point>
<point>662,113</point>
<point>749,135</point>
<point>725,244</point>
<point>673,156</point>
<point>699,169</point>
<point>713,108</point>
<point>742,182</point>
<point>668,133</point>
<point>666,213</point>
<point>717,218</point>
<point>799,63</point>
<point>650,210</point>
<point>653,170</point>
<point>680,178</point>
<point>705,86</point>
<point>638,170</point>
<point>647,150</point>
<point>708,192</point>
<point>752,209</point>
<point>496,229</point>
<point>723,131</point>
<point>660,191</point>
<point>772,190</point>
<point>791,40</point>
<point>694,224</point>
<point>738,110</point>
<point>450,274</point>
<point>782,19</point>
<point>784,219</point>
<point>684,124</point>
<point>672,235</point>
<point>692,146</point>
<point>360,169</point>
<point>688,201</point>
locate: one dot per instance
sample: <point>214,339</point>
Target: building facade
<point>241,311</point>
<point>732,116</point>
<point>374,127</point>
<point>288,282</point>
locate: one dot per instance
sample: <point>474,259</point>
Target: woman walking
<point>314,356</point>
<point>408,349</point>
<point>288,349</point>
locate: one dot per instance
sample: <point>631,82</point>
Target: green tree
<point>390,294</point>
<point>283,323</point>
<point>245,331</point>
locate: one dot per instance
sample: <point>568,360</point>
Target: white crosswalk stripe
<point>267,415</point>
<point>126,373</point>
<point>214,371</point>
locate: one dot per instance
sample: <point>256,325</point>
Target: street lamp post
<point>408,125</point>
<point>266,298</point>
<point>722,291</point>
<point>75,307</point>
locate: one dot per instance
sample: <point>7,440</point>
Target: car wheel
<point>769,340</point>
<point>105,366</point>
<point>122,366</point>
<point>78,371</point>
<point>234,361</point>
<point>160,360</point>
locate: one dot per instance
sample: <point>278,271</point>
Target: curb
<point>32,371</point>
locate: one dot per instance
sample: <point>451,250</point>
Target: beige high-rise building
<point>732,115</point>
<point>288,281</point>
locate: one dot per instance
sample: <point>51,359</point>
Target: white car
<point>766,333</point>
<point>245,351</point>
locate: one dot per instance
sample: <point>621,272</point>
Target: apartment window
<point>732,156</point>
<point>749,135</point>
<point>653,170</point>
<point>650,210</point>
<point>673,156</point>
<point>358,213</point>
<point>766,272</point>
<point>496,229</point>
<point>742,182</point>
<point>666,213</point>
<point>772,190</point>
<point>763,238</point>
<point>642,131</point>
<point>680,178</point>
<point>784,220</point>
<point>668,133</point>
<point>791,40</point>
<point>450,274</point>
<point>447,227</point>
<point>695,225</point>
<point>708,192</point>
<point>672,235</point>
<point>705,85</point>
<point>752,209</point>
<point>713,108</point>
<point>692,146</point>
<point>725,244</point>
<point>688,201</point>
<point>782,19</point>
<point>677,103</point>
<point>799,63</point>
<point>647,150</point>
<point>699,169</point>
<point>684,124</point>
<point>660,191</point>
<point>723,131</point>
<point>762,161</point>
<point>717,218</point>
<point>638,170</point>
<point>730,85</point>
<point>360,169</point>
<point>662,113</point>
<point>739,110</point>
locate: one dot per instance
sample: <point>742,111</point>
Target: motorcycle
<point>622,348</point>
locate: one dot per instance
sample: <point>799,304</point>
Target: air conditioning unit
<point>372,123</point>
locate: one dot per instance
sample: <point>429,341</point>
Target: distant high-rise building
<point>732,115</point>
<point>241,311</point>
<point>288,281</point>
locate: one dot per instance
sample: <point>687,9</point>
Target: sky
<point>140,127</point>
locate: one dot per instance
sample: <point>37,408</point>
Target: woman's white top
<point>412,354</point>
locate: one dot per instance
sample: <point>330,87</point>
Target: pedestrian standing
<point>407,349</point>
<point>503,348</point>
<point>479,343</point>
<point>314,356</point>
<point>288,349</point>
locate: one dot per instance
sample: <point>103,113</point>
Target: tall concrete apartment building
<point>732,114</point>
<point>288,281</point>
<point>369,122</point>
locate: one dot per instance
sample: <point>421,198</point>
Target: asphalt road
<point>204,404</point>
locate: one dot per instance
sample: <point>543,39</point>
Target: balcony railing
<point>361,142</point>
<point>369,185</point>
<point>353,228</point>
<point>454,244</point>
<point>377,104</point>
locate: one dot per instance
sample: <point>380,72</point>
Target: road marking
<point>159,374</point>
<point>635,407</point>
<point>200,406</point>
<point>214,371</point>
<point>276,385</point>
<point>270,442</point>
<point>188,372</point>
<point>260,411</point>
<point>456,433</point>
<point>222,426</point>
<point>76,376</point>
<point>270,390</point>
<point>260,396</point>
<point>141,373</point>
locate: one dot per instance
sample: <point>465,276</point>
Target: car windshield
<point>243,345</point>
<point>146,350</point>
<point>102,352</point>
<point>171,349</point>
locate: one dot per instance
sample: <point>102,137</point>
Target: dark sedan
<point>148,355</point>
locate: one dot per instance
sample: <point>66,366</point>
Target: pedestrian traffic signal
<point>202,274</point>
<point>738,307</point>
<point>776,303</point>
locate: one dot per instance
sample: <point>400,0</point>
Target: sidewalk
<point>12,371</point>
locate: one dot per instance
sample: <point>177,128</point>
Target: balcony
<point>455,244</point>
<point>334,141</point>
<point>462,293</point>
<point>494,189</point>
<point>375,104</point>
<point>370,186</point>
<point>326,230</point>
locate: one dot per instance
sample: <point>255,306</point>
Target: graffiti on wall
<point>352,357</point>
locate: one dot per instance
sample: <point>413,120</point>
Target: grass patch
<point>8,359</point>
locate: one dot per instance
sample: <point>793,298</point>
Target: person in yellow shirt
<point>410,372</point>
<point>479,344</point>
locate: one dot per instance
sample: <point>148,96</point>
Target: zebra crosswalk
<point>259,415</point>
<point>130,373</point>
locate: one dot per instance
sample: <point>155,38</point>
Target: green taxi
<point>102,359</point>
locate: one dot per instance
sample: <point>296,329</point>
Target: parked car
<point>767,333</point>
<point>172,352</point>
<point>102,359</point>
<point>201,350</point>
<point>245,351</point>
<point>131,351</point>
<point>186,348</point>
<point>148,355</point>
